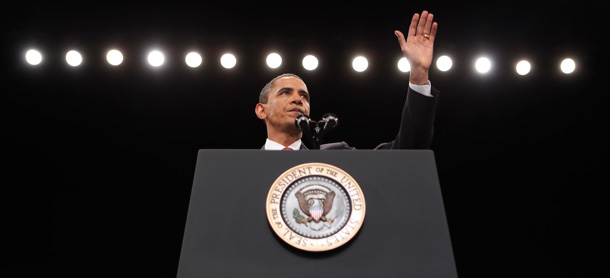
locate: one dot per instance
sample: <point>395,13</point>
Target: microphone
<point>302,122</point>
<point>315,131</point>
<point>330,121</point>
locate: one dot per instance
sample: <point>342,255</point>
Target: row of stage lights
<point>156,58</point>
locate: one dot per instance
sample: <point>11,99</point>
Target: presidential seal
<point>315,207</point>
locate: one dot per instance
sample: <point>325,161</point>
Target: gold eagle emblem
<point>315,201</point>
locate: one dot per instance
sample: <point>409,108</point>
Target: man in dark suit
<point>286,97</point>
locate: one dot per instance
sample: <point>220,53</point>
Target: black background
<point>99,160</point>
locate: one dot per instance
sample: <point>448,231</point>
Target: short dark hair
<point>264,95</point>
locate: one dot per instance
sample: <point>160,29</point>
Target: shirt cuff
<point>422,89</point>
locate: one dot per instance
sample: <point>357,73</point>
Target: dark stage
<point>99,160</point>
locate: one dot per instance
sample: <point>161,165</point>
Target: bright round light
<point>228,60</point>
<point>193,59</point>
<point>444,63</point>
<point>114,57</point>
<point>523,67</point>
<point>74,58</point>
<point>403,65</point>
<point>568,66</point>
<point>274,60</point>
<point>310,62</point>
<point>483,65</point>
<point>360,64</point>
<point>33,57</point>
<point>156,58</point>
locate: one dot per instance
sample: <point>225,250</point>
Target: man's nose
<point>297,99</point>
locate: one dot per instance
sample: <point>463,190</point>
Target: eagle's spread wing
<point>328,202</point>
<point>302,203</point>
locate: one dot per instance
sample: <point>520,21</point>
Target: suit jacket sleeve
<point>417,123</point>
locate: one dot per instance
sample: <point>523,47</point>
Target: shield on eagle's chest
<point>316,212</point>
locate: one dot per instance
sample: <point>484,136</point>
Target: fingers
<point>428,26</point>
<point>400,36</point>
<point>421,26</point>
<point>433,30</point>
<point>413,26</point>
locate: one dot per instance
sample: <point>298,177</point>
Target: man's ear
<point>260,111</point>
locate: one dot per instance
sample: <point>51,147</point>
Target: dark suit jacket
<point>416,125</point>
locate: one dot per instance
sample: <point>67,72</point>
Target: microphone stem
<point>315,138</point>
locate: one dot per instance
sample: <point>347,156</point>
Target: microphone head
<point>330,116</point>
<point>302,121</point>
<point>331,120</point>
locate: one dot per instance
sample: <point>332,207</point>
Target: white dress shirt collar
<point>274,146</point>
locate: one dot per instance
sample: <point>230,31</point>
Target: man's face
<point>287,99</point>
